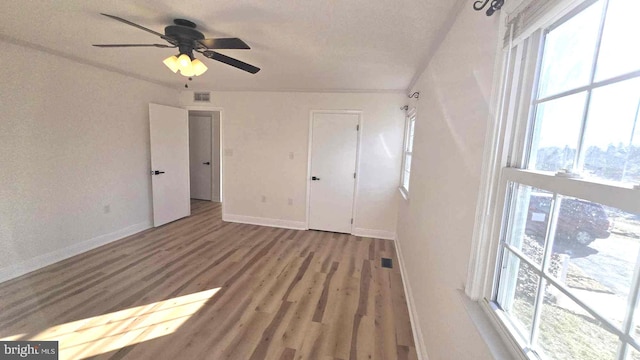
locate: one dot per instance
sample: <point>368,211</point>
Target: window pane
<point>406,171</point>
<point>557,128</point>
<point>568,52</point>
<point>412,126</point>
<point>407,162</point>
<point>612,137</point>
<point>518,290</point>
<point>568,332</point>
<point>595,250</point>
<point>633,354</point>
<point>529,217</point>
<point>405,180</point>
<point>620,48</point>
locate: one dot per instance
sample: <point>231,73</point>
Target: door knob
<point>156,172</point>
<point>314,178</point>
<point>207,163</point>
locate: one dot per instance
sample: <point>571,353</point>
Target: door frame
<point>209,119</point>
<point>358,146</point>
<point>220,141</point>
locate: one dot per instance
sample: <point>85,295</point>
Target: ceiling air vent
<point>201,97</point>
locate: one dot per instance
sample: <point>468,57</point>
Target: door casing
<point>220,138</point>
<point>197,138</point>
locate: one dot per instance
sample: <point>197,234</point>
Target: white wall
<point>435,225</point>
<point>73,139</point>
<point>262,128</point>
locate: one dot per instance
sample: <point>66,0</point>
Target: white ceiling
<point>321,45</point>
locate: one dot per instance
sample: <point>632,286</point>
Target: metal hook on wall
<point>405,108</point>
<point>415,95</point>
<point>495,6</point>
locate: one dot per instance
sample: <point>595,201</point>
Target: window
<point>566,200</point>
<point>408,149</point>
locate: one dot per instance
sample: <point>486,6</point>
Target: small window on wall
<point>408,151</point>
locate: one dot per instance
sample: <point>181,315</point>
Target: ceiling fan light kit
<point>184,36</point>
<point>186,66</point>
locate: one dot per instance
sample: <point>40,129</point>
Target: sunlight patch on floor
<point>108,332</point>
<point>16,337</point>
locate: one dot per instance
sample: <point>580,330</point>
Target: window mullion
<point>622,351</point>
<point>595,314</point>
<point>578,162</point>
<point>548,246</point>
<point>592,86</point>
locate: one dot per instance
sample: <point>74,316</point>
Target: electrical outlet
<point>264,199</point>
<point>106,209</point>
<point>290,201</point>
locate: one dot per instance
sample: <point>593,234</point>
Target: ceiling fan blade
<point>133,45</point>
<point>224,43</point>
<point>231,61</point>
<point>136,25</point>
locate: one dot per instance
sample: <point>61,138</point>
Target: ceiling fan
<point>184,36</point>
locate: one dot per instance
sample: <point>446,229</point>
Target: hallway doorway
<point>204,155</point>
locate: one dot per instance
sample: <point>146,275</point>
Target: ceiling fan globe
<point>172,63</point>
<point>199,67</point>
<point>184,61</point>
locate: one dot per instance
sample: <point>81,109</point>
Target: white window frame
<point>503,163</point>
<point>409,138</point>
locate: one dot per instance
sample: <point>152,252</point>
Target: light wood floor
<point>200,288</point>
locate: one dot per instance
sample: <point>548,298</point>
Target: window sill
<point>493,332</point>
<point>404,193</point>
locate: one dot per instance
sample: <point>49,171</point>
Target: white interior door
<point>200,156</point>
<point>169,134</point>
<point>334,144</point>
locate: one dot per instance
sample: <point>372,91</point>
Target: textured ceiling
<point>322,45</point>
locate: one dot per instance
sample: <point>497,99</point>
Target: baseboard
<point>279,223</point>
<point>376,234</point>
<point>421,349</point>
<point>43,260</point>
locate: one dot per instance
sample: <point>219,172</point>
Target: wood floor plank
<point>339,315</point>
<point>288,354</point>
<point>303,311</point>
<point>201,288</point>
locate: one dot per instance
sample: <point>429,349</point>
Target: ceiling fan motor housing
<point>185,34</point>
